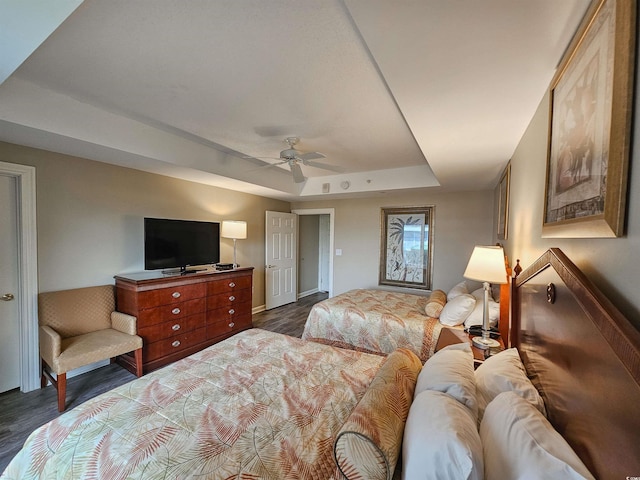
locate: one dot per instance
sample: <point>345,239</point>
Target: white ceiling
<point>401,94</point>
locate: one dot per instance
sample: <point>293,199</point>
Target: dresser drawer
<point>228,326</point>
<point>165,347</point>
<point>229,312</point>
<point>229,285</point>
<point>166,313</point>
<point>228,299</point>
<point>170,295</point>
<point>178,326</point>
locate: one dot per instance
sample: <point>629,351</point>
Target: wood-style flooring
<point>22,413</point>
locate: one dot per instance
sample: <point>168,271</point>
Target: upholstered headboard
<point>584,357</point>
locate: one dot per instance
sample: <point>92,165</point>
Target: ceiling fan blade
<point>324,166</point>
<point>310,155</point>
<point>298,176</point>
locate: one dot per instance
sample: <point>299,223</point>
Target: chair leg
<point>138,356</point>
<point>43,376</point>
<point>62,391</point>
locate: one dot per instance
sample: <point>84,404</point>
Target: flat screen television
<point>180,243</point>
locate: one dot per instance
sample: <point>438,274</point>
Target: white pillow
<point>441,440</point>
<point>519,442</point>
<point>450,371</point>
<point>457,290</point>
<point>476,315</point>
<point>504,372</point>
<point>456,311</point>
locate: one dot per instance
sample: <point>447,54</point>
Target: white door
<point>9,318</point>
<point>281,282</point>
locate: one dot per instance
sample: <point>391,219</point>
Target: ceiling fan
<point>294,158</point>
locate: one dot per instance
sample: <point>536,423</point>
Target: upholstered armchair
<point>79,327</point>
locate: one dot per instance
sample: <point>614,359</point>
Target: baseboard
<point>258,309</point>
<point>307,293</point>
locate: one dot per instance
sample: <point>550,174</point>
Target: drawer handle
<point>232,298</point>
<point>175,294</point>
<point>232,311</point>
<point>176,327</point>
<point>175,311</point>
<point>176,343</point>
<point>231,325</point>
<point>232,284</point>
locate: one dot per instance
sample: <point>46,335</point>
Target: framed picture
<point>502,214</point>
<point>589,132</point>
<point>406,247</point>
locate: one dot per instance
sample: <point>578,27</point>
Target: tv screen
<point>180,243</point>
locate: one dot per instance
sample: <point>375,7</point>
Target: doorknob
<point>270,266</point>
<point>7,297</point>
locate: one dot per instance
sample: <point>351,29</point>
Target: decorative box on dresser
<point>181,314</point>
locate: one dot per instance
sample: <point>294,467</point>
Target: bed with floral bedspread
<point>374,321</point>
<point>257,405</point>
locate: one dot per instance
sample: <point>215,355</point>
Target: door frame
<point>27,297</point>
<point>324,211</point>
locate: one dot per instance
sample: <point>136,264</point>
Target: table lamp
<point>486,265</point>
<point>235,229</point>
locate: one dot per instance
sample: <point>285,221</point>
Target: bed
<point>374,321</point>
<point>379,321</point>
<point>265,405</point>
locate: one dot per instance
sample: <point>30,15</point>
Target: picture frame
<point>502,201</point>
<point>406,246</point>
<point>590,126</point>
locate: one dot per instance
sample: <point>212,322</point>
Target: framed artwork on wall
<point>502,213</point>
<point>590,121</point>
<point>406,246</point>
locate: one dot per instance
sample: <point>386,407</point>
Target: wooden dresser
<point>181,314</point>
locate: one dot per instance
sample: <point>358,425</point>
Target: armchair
<point>79,327</point>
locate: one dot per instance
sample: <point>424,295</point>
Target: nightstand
<point>450,336</point>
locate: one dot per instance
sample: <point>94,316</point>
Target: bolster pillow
<point>435,304</point>
<point>368,444</point>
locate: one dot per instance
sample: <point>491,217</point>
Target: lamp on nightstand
<point>235,229</point>
<point>486,265</point>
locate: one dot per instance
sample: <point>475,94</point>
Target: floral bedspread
<point>374,321</point>
<point>257,405</point>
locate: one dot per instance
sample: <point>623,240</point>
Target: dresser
<point>181,314</point>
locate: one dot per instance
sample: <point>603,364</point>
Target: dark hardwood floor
<point>21,413</point>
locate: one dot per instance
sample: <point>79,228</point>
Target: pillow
<point>476,315</point>
<point>450,371</point>
<point>368,444</point>
<point>441,440</point>
<point>435,303</point>
<point>519,442</point>
<point>456,311</point>
<point>504,372</point>
<point>457,290</point>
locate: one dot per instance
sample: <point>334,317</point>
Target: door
<point>280,257</point>
<point>9,315</point>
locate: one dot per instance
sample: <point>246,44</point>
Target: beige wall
<point>308,252</point>
<point>462,220</point>
<point>90,217</point>
<point>612,263</point>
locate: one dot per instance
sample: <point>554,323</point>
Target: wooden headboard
<point>584,357</point>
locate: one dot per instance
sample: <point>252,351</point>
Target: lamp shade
<point>487,265</point>
<point>234,229</point>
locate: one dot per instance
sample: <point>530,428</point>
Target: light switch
<point>338,252</point>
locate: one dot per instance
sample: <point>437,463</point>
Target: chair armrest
<point>50,344</point>
<point>124,323</point>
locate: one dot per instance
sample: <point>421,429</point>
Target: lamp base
<point>485,343</point>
